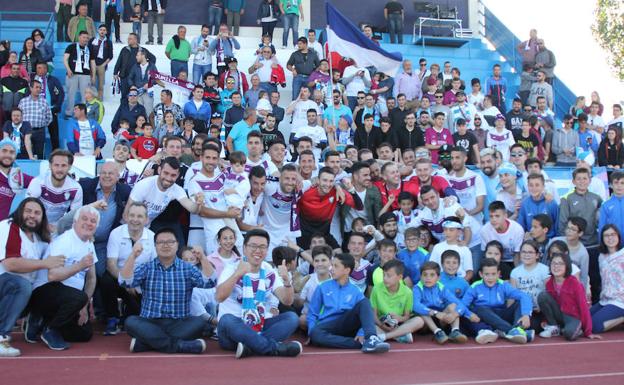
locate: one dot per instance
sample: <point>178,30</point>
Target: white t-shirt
<point>300,112</point>
<point>532,282</point>
<point>212,188</point>
<point>308,291</point>
<point>434,219</point>
<point>147,191</point>
<point>74,249</point>
<point>120,246</point>
<point>276,214</point>
<point>233,303</point>
<point>597,121</point>
<point>239,183</point>
<point>511,239</point>
<point>465,256</point>
<point>357,83</point>
<point>501,141</point>
<point>468,188</point>
<point>510,199</point>
<point>15,241</point>
<point>86,144</point>
<point>317,134</point>
<point>57,201</point>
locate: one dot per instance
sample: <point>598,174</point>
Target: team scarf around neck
<point>253,305</point>
<point>81,59</point>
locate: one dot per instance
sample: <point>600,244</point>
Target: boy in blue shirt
<point>448,277</point>
<point>488,299</point>
<point>413,256</point>
<point>339,310</point>
<point>437,305</point>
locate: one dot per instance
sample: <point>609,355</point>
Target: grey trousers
<point>74,84</point>
<point>160,20</point>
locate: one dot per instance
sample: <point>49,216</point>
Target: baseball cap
<point>387,217</point>
<point>8,142</point>
<point>216,115</point>
<point>500,117</point>
<point>508,168</point>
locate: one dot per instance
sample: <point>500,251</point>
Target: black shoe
<point>137,346</point>
<point>160,42</point>
<point>33,325</point>
<point>149,42</point>
<point>197,346</point>
<point>289,349</point>
<point>243,351</point>
<point>118,41</point>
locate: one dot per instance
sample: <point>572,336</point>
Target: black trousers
<point>37,139</point>
<point>268,28</point>
<point>110,291</point>
<point>111,17</point>
<point>60,305</point>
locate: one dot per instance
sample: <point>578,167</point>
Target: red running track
<point>106,360</point>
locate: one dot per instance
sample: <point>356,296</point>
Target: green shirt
<point>291,6</point>
<point>385,302</point>
<point>182,54</point>
<point>82,26</point>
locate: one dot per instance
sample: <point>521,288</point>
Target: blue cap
<point>9,142</point>
<point>508,168</point>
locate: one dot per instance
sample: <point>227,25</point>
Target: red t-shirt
<point>440,184</point>
<point>316,208</point>
<point>145,147</point>
<point>408,186</point>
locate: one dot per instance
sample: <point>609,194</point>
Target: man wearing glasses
<point>249,294</point>
<point>165,323</point>
<point>263,67</point>
<point>129,110</point>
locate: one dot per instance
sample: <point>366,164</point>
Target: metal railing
<point>506,42</point>
<point>27,16</point>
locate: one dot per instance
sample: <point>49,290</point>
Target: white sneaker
<point>6,350</point>
<point>550,331</point>
<point>486,336</point>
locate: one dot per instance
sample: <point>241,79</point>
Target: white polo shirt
<point>120,246</point>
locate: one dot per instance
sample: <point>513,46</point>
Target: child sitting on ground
<point>392,304</point>
<point>488,299</point>
<point>530,276</point>
<point>449,278</point>
<point>321,256</point>
<point>437,305</point>
<point>338,311</point>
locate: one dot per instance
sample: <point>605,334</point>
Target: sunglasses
<point>423,64</point>
<point>439,96</point>
<point>360,97</point>
<point>479,119</point>
<point>230,82</point>
<point>517,154</point>
<point>133,94</point>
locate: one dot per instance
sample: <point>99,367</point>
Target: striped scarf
<point>253,306</point>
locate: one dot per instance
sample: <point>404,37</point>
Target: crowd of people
<point>398,204</point>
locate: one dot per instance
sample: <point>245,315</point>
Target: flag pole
<point>331,82</point>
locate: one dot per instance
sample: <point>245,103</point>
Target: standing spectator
<point>162,327</point>
<point>198,110</point>
<point>178,50</point>
<point>215,13</point>
<point>437,135</point>
<point>202,60</point>
<point>496,87</point>
<point>234,9</point>
<point>240,79</point>
<point>541,88</point>
<point>137,21</point>
<point>129,110</point>
<point>127,59</point>
<point>88,137</point>
<point>611,150</point>
<point>139,79</point>
<point>80,23</point>
<point>64,9</point>
<point>166,104</point>
<point>527,78</point>
<point>112,14</point>
<point>14,89</point>
<point>29,57</point>
<point>278,111</point>
<point>268,14</point>
<point>101,54</point>
<point>595,97</point>
<point>565,142</point>
<point>529,48</point>
<point>356,79</point>
<point>292,11</point>
<point>408,83</point>
<point>237,139</point>
<point>395,16</point>
<point>38,113</point>
<point>44,46</point>
<point>223,46</point>
<point>302,63</point>
<point>52,91</point>
<point>155,12</point>
<point>79,68</point>
<point>314,44</point>
<point>235,112</point>
<point>19,132</point>
<point>545,60</point>
<point>595,122</point>
<point>263,68</point>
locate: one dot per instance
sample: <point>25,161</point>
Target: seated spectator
<point>14,89</point>
<point>6,68</point>
<point>95,107</point>
<point>506,231</point>
<point>89,138</point>
<point>536,203</point>
<point>129,110</point>
<point>611,151</point>
<point>30,57</point>
<point>160,326</point>
<point>530,275</point>
<point>20,133</point>
<point>449,278</point>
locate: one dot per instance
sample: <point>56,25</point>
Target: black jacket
<point>370,140</point>
<point>122,192</point>
<point>127,59</point>
<point>94,49</point>
<point>145,4</point>
<point>404,139</point>
<point>264,7</point>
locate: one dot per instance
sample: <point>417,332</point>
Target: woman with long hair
<point>611,152</point>
<point>30,56</point>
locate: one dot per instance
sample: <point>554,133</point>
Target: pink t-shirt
<point>438,138</point>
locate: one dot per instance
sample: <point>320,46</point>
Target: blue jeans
<point>136,28</point>
<point>352,102</point>
<point>395,28</point>
<point>299,81</point>
<point>340,332</point>
<point>214,19</point>
<point>199,70</point>
<point>100,252</point>
<point>163,334</point>
<point>477,256</point>
<point>291,21</point>
<point>268,87</point>
<point>14,295</point>
<point>233,330</point>
<point>177,66</point>
<point>503,319</point>
<point>601,314</point>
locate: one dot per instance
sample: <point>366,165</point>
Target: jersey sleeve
<point>34,189</point>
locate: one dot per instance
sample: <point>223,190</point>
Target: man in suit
<point>52,91</point>
<point>369,194</point>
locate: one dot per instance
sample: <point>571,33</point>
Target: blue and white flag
<point>346,39</point>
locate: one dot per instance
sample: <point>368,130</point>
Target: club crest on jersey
<point>66,195</point>
<point>148,145</point>
<point>331,200</point>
